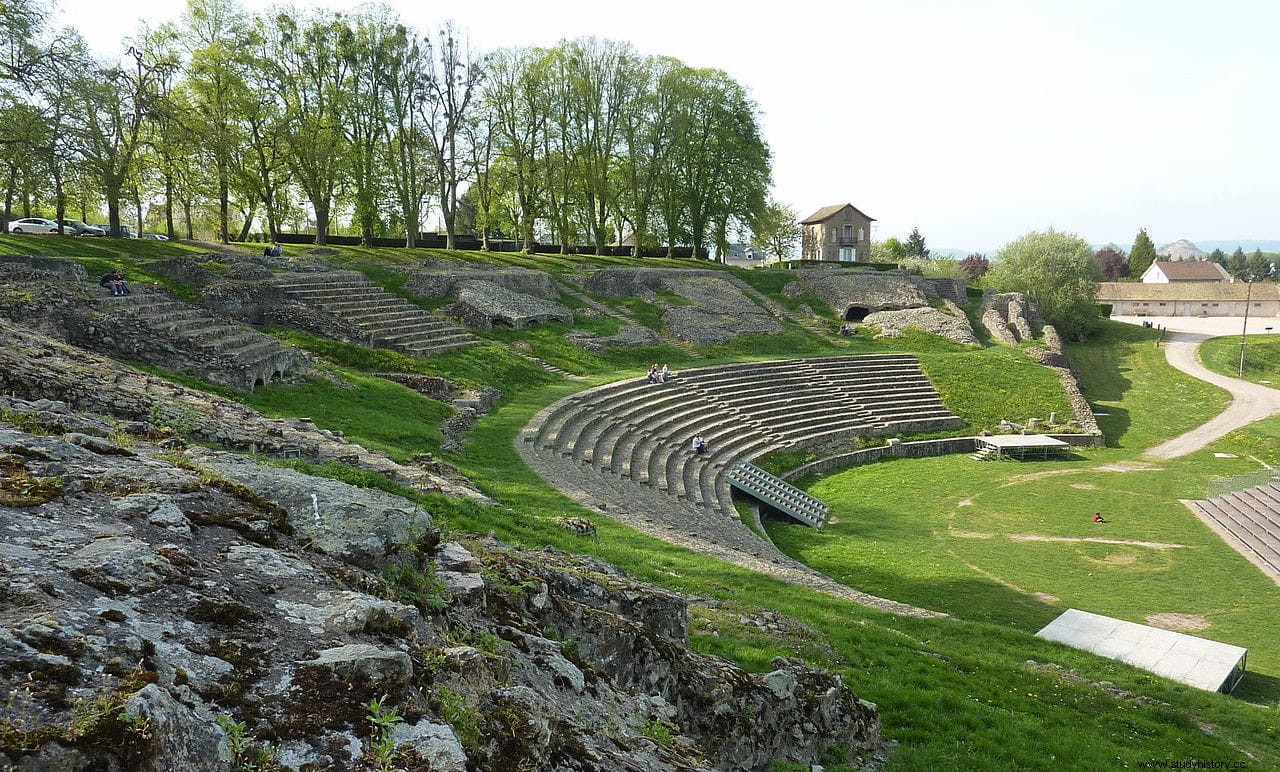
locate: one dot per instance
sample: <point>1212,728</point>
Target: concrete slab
<point>1197,662</point>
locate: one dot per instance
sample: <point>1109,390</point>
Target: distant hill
<point>1181,250</point>
<point>1248,245</point>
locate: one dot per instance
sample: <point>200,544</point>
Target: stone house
<point>1168,271</point>
<point>838,233</point>
<point>1191,298</point>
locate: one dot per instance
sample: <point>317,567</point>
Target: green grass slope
<point>976,691</point>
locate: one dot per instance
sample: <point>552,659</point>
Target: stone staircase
<point>388,320</point>
<point>184,336</point>
<point>1252,516</point>
<point>778,493</point>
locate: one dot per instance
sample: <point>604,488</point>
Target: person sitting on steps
<point>115,280</point>
<point>652,377</point>
<point>699,445</point>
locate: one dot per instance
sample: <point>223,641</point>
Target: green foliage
<point>1142,255</point>
<point>1059,275</point>
<point>664,733</point>
<point>915,245</point>
<point>460,714</point>
<point>1238,264</point>
<point>777,231</point>
<point>382,747</point>
<point>407,584</point>
<point>247,755</point>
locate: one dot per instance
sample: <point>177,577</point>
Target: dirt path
<point>1250,401</point>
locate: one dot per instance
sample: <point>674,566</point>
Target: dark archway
<point>856,314</point>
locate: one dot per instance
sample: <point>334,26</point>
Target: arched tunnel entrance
<point>856,314</point>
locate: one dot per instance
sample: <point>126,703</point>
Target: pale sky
<point>976,121</point>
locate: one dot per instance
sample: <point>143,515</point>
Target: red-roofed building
<point>837,233</point>
<point>1168,271</point>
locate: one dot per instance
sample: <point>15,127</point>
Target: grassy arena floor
<point>1014,543</point>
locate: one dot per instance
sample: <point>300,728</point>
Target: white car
<point>33,225</point>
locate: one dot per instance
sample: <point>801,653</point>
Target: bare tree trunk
<point>169,230</point>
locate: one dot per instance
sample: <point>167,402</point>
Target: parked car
<point>33,225</point>
<point>125,232</point>
<point>80,228</point>
<point>154,236</point>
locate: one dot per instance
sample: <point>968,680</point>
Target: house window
<point>847,255</point>
<point>846,233</point>
<point>1162,304</point>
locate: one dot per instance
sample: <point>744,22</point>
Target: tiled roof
<point>1186,290</point>
<point>827,211</point>
<point>1192,270</point>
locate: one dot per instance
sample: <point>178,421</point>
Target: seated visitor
<point>699,444</point>
<point>1098,518</point>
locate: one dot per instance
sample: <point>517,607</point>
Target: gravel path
<point>1250,401</point>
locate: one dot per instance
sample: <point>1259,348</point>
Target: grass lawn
<point>1261,360</point>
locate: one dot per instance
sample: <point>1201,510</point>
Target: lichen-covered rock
<point>1009,317</point>
<point>199,591</point>
<point>57,377</point>
<point>441,279</point>
<point>950,323</point>
<point>853,293</point>
<point>628,336</point>
<point>482,303</point>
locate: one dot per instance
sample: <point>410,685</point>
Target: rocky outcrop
<point>854,293</point>
<point>482,303</point>
<point>36,367</point>
<point>195,610</point>
<point>1009,317</point>
<point>629,336</point>
<point>713,310</point>
<point>948,322</point>
<point>441,279</point>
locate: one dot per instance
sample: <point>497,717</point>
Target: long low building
<point>1190,298</point>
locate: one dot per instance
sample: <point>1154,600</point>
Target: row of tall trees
<point>231,120</point>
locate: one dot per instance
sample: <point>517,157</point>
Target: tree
<point>777,230</point>
<point>1219,257</point>
<point>1113,263</point>
<point>112,103</point>
<point>1238,264</point>
<point>1143,253</point>
<point>1058,273</point>
<point>891,249</point>
<point>454,78</point>
<point>915,244</point>
<point>1257,266</point>
<point>975,266</point>
<point>312,82</point>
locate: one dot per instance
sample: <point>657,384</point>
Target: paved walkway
<point>1250,401</point>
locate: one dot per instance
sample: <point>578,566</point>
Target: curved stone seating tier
<point>389,321</point>
<point>1252,516</point>
<point>626,446</point>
